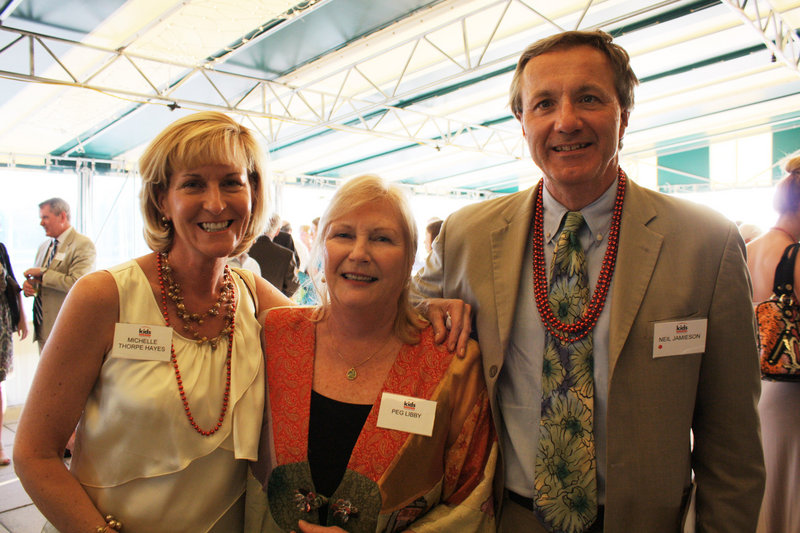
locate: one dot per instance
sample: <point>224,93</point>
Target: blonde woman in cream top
<point>165,432</point>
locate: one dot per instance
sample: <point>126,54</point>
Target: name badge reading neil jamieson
<point>406,413</point>
<point>142,341</point>
<point>680,337</point>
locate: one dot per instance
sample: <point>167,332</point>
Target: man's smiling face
<point>572,122</point>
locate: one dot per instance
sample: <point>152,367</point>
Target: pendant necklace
<point>351,373</point>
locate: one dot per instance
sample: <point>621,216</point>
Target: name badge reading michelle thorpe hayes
<point>406,413</point>
<point>141,341</point>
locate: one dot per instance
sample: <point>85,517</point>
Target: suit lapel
<point>508,240</point>
<point>639,247</point>
<point>64,246</point>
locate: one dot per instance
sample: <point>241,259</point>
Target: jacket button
<point>493,371</point>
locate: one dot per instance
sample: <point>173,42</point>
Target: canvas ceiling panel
<point>269,128</point>
<point>685,42</point>
<point>322,32</point>
<point>485,30</point>
<point>132,130</point>
<point>424,58</point>
<point>38,130</point>
<point>203,27</point>
<point>513,28</point>
<point>212,88</point>
<point>382,165</point>
<point>739,93</point>
<point>746,120</point>
<point>428,167</point>
<point>405,30</point>
<point>418,165</point>
<point>718,73</point>
<point>401,48</point>
<point>471,103</point>
<point>72,15</point>
<point>396,67</point>
<point>15,56</point>
<point>331,152</point>
<point>138,76</point>
<point>482,176</point>
<point>748,88</point>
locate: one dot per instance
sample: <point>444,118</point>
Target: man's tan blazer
<point>676,261</point>
<point>74,258</point>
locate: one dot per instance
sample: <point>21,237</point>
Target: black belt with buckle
<point>527,503</point>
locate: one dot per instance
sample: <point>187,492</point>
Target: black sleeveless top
<point>333,430</point>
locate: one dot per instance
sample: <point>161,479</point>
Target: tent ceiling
<point>414,90</point>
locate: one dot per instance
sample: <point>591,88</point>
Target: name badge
<point>59,256</point>
<point>679,337</point>
<point>406,413</point>
<point>142,341</point>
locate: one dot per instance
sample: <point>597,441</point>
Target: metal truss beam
<point>779,36</point>
<point>273,106</point>
<point>292,111</point>
<point>469,51</point>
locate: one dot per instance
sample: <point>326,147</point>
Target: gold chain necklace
<point>351,373</point>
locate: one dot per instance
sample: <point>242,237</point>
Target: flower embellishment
<point>307,501</point>
<point>344,509</point>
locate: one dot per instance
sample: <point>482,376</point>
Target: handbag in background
<point>778,320</point>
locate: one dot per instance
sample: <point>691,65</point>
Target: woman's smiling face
<point>209,208</point>
<point>365,256</point>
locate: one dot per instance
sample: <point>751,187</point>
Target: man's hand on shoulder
<point>451,320</point>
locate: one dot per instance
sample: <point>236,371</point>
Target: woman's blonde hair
<point>206,138</point>
<point>353,194</point>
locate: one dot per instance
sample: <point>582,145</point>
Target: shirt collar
<point>597,214</point>
<point>64,234</point>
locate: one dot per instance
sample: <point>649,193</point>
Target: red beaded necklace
<point>568,333</point>
<point>160,257</point>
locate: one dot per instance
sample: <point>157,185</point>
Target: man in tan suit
<point>60,261</point>
<point>674,348</point>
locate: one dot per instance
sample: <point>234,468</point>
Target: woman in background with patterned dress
<point>7,329</point>
<point>160,358</point>
<point>779,406</point>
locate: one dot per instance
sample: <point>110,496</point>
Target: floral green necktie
<point>565,484</point>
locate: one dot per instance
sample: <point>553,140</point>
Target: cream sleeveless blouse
<point>136,454</point>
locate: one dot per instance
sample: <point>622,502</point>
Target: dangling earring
<point>165,222</point>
